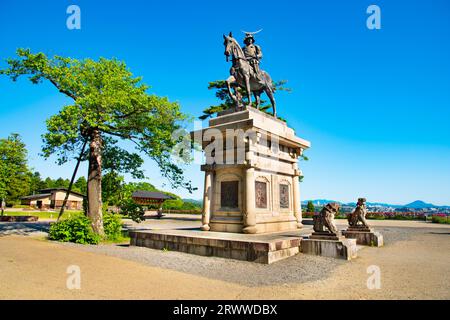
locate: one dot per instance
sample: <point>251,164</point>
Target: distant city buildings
<point>424,208</point>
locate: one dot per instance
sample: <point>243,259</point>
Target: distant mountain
<point>194,201</point>
<point>419,204</point>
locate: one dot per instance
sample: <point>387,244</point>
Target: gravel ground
<point>297,269</point>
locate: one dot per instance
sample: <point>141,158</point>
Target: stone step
<point>255,248</point>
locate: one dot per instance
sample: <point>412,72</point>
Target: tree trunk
<point>95,183</point>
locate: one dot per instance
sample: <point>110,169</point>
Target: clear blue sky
<point>374,103</point>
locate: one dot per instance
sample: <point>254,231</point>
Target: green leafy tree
<point>107,101</point>
<point>36,183</point>
<point>310,207</point>
<point>80,185</point>
<point>117,161</point>
<point>112,188</point>
<point>61,183</point>
<point>48,183</point>
<point>14,173</point>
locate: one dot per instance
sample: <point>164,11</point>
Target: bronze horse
<point>242,75</point>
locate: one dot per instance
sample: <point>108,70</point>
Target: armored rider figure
<point>253,54</point>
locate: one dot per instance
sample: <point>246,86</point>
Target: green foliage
<point>112,188</point>
<point>310,207</point>
<point>20,206</point>
<point>176,204</point>
<point>135,211</point>
<point>440,219</point>
<point>107,99</point>
<point>36,182</point>
<point>132,210</point>
<point>112,225</point>
<point>375,216</point>
<point>116,159</point>
<point>14,173</point>
<point>190,206</point>
<point>180,204</point>
<point>76,229</point>
<point>80,185</point>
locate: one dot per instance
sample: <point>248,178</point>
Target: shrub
<point>310,207</point>
<point>132,210</point>
<point>440,218</point>
<point>396,216</point>
<point>176,204</point>
<point>76,229</point>
<point>307,214</point>
<point>375,215</point>
<point>112,225</point>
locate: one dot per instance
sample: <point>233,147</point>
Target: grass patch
<point>43,214</point>
<point>117,240</point>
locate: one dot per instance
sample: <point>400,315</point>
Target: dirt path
<point>414,268</point>
<point>36,269</point>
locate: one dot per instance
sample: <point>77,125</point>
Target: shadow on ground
<point>23,228</point>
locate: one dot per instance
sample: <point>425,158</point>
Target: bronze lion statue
<point>359,214</point>
<point>326,218</point>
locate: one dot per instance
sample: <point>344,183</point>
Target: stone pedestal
<point>260,248</point>
<point>329,245</point>
<point>251,173</point>
<point>364,236</point>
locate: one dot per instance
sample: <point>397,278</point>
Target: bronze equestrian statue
<point>245,72</point>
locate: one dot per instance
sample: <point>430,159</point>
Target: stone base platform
<point>333,246</point>
<point>260,248</point>
<point>366,236</point>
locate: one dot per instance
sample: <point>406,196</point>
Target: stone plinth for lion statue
<point>326,239</point>
<point>359,229</point>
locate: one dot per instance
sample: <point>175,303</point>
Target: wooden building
<point>151,198</point>
<point>53,199</point>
